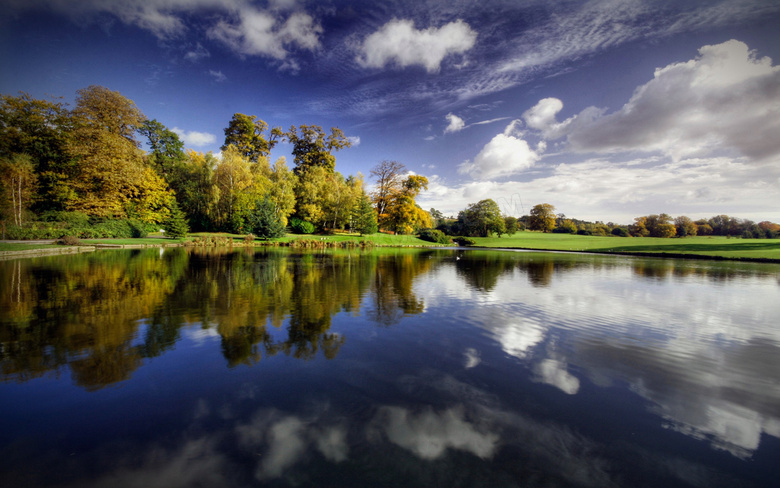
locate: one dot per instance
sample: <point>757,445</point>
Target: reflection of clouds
<point>553,372</point>
<point>471,358</point>
<point>429,434</point>
<point>195,463</point>
<point>199,335</point>
<point>283,440</point>
<point>518,337</point>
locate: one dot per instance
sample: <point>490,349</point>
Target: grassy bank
<point>715,246</point>
<point>711,246</point>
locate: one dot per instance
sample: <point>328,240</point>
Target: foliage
<point>364,217</point>
<point>395,196</point>
<point>299,226</point>
<point>247,134</point>
<point>464,241</point>
<point>511,225</point>
<point>620,232</point>
<point>68,241</point>
<point>166,149</point>
<point>176,225</point>
<point>685,226</point>
<point>566,226</point>
<point>312,147</point>
<point>542,217</point>
<point>17,186</point>
<point>481,219</point>
<point>264,222</point>
<point>434,235</point>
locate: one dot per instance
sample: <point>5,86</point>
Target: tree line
<point>485,218</point>
<point>84,170</point>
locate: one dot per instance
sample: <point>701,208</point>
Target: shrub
<point>464,241</point>
<point>299,226</point>
<point>433,235</point>
<point>68,241</point>
<point>249,239</point>
<point>620,232</point>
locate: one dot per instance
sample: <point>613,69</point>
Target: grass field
<point>715,246</point>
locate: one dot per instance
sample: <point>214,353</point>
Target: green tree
<point>251,137</point>
<point>482,219</point>
<point>236,196</point>
<point>511,225</point>
<point>192,181</point>
<point>176,224</point>
<point>263,221</point>
<point>165,147</point>
<point>542,217</point>
<point>312,147</point>
<point>364,216</point>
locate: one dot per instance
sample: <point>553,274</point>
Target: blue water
<point>392,368</point>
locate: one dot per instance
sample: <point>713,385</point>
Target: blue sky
<point>606,109</point>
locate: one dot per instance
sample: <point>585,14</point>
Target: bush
<point>620,232</point>
<point>68,241</point>
<point>299,226</point>
<point>433,235</point>
<point>249,239</point>
<point>464,241</point>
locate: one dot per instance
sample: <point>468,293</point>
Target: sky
<point>606,109</point>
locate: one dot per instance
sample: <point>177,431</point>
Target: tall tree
<point>108,161</point>
<point>165,147</point>
<point>312,147</point>
<point>364,216</point>
<point>236,198</point>
<point>542,217</point>
<point>389,181</point>
<point>17,185</point>
<point>402,213</point>
<point>251,137</point>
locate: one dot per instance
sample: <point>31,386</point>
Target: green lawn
<point>702,246</point>
<point>716,246</point>
<point>13,246</point>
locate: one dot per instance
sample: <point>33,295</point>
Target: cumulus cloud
<point>455,123</point>
<point>506,154</point>
<point>260,33</point>
<point>193,138</point>
<point>399,42</point>
<point>354,140</point>
<point>726,98</point>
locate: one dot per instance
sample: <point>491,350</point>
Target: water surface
<point>388,368</point>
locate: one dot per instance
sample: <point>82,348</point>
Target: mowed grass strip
<point>717,246</point>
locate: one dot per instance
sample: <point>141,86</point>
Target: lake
<point>396,367</point>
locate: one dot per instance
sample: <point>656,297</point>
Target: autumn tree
<point>389,177</point>
<point>192,180</point>
<point>402,214</point>
<point>17,186</point>
<point>542,217</point>
<point>312,147</point>
<point>236,196</point>
<point>251,137</point>
<point>685,226</point>
<point>108,161</point>
<point>39,129</point>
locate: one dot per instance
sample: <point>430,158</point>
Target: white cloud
<point>455,123</point>
<point>505,155</point>
<point>193,138</point>
<point>261,33</point>
<point>726,98</point>
<point>399,42</point>
<point>197,53</point>
<point>354,140</point>
<point>219,77</point>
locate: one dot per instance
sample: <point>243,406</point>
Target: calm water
<point>392,368</point>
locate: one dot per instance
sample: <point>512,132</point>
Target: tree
<point>192,181</point>
<point>312,147</point>
<point>282,190</point>
<point>685,226</point>
<point>17,184</point>
<point>248,134</point>
<point>165,147</point>
<point>661,225</point>
<point>108,163</point>
<point>364,217</point>
<point>481,219</point>
<point>176,224</point>
<point>402,214</point>
<point>389,181</point>
<point>233,180</point>
<point>542,217</point>
<point>263,221</point>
